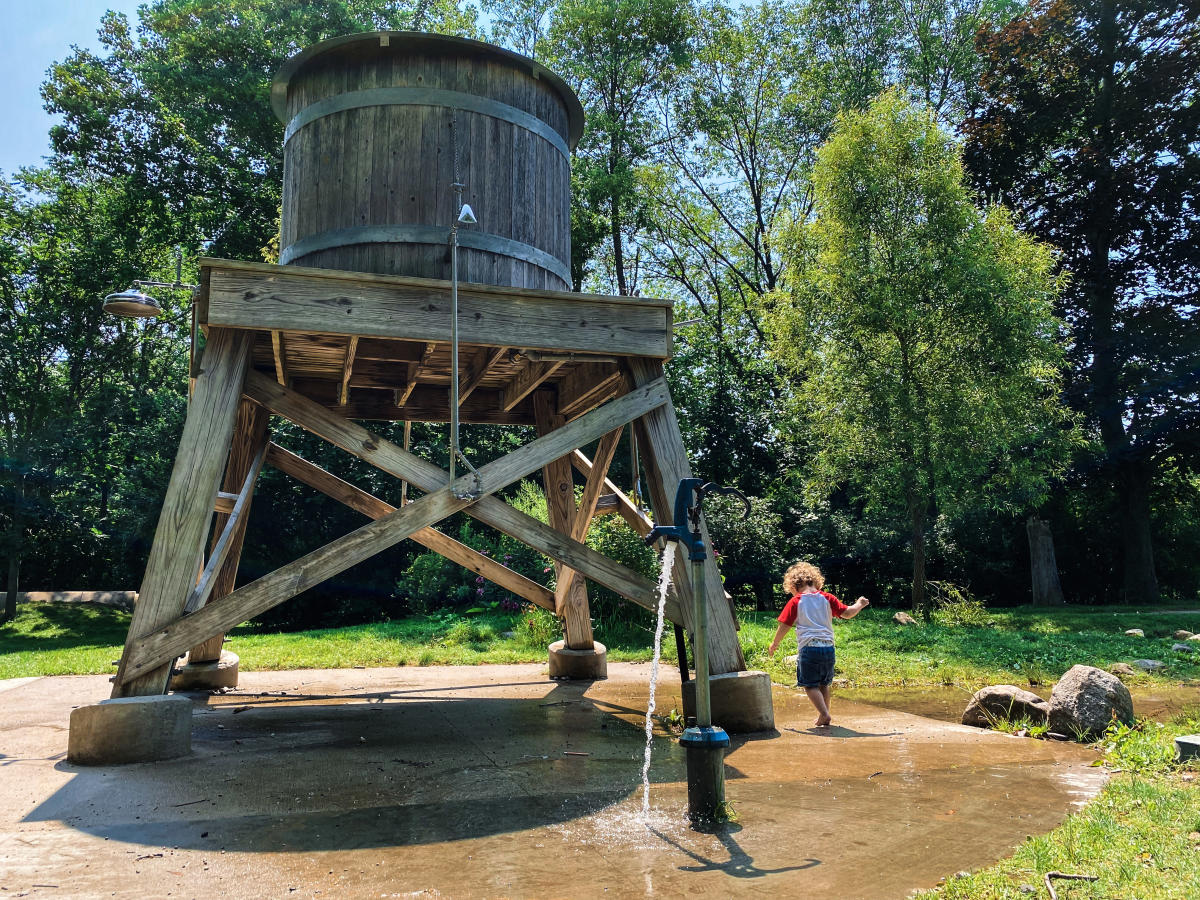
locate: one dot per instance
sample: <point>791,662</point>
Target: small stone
<point>1028,889</point>
<point>1122,669</point>
<point>903,618</point>
<point>1194,637</point>
<point>1135,632</point>
<point>1182,648</point>
<point>1149,665</point>
<point>362,740</point>
<point>962,874</point>
<point>1182,634</point>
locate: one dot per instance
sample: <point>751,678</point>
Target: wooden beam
<point>301,299</point>
<point>372,507</point>
<point>383,454</point>
<point>487,358</point>
<point>167,641</point>
<point>526,381</point>
<point>624,506</point>
<point>587,508</point>
<point>586,387</point>
<point>216,559</point>
<point>428,403</point>
<point>666,464</point>
<point>347,368</point>
<point>570,600</point>
<point>414,372</point>
<point>279,350</point>
<point>187,507</point>
<point>225,501</point>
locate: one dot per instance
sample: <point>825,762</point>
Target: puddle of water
<point>946,703</point>
<point>664,583</point>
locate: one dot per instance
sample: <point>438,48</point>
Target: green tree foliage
<point>919,330</point>
<point>1090,130</point>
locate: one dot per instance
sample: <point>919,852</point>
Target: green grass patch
<point>1140,836</point>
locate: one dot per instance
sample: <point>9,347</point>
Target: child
<point>812,610</point>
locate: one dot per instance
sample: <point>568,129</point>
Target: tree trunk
<point>1140,581</point>
<point>16,527</point>
<point>916,517</point>
<point>1042,565</point>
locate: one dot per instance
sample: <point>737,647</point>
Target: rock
<point>1194,637</point>
<point>1086,700</point>
<point>1148,665</point>
<point>1182,648</point>
<point>1182,634</point>
<point>1005,701</point>
<point>1135,632</point>
<point>903,618</point>
<point>1122,669</point>
<point>1187,746</point>
<point>791,660</point>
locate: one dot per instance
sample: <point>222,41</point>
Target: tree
<point>919,330</point>
<point>1090,130</point>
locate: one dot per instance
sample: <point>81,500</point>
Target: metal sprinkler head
<point>132,303</point>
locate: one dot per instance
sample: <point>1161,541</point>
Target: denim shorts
<point>814,667</point>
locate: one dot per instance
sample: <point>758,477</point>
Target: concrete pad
<point>489,781</point>
<point>130,730</point>
<point>578,665</point>
<point>212,675</point>
<point>741,701</point>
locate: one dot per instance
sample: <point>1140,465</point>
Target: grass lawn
<point>1141,836</point>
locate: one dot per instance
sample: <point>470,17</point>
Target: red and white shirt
<point>812,613</point>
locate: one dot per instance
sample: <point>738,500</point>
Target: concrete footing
<point>208,676</point>
<point>578,665</point>
<point>1187,746</point>
<point>741,701</point>
<point>129,730</point>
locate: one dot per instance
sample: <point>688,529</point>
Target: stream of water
<point>664,583</point>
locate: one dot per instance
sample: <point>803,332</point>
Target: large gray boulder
<point>1086,700</point>
<point>1005,701</point>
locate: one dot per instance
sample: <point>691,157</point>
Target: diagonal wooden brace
<point>150,651</point>
<point>383,454</point>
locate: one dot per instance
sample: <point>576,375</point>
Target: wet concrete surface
<point>1159,702</point>
<point>491,781</point>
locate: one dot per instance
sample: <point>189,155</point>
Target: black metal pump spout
<point>704,742</point>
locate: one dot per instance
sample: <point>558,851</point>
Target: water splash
<point>664,583</point>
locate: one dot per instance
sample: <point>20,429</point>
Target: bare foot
<point>823,721</point>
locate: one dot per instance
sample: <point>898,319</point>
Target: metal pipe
<point>700,643</point>
<point>455,450</point>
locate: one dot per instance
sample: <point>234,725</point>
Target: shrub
<point>956,606</point>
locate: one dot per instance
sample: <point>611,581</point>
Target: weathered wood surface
<point>372,507</point>
<point>188,506</point>
<point>569,580</point>
<point>623,505</point>
<point>666,464</point>
<point>383,454</point>
<point>169,639</point>
<point>249,438</point>
<point>570,595</point>
<point>296,299</point>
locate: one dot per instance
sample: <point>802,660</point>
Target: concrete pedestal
<point>741,701</point>
<point>208,676</point>
<point>578,665</point>
<point>130,729</point>
<point>1187,747</point>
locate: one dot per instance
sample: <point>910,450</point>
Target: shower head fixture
<point>466,215</point>
<point>132,303</point>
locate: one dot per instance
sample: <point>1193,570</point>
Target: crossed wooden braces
<point>228,418</point>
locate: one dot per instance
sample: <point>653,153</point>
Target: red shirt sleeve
<point>788,616</point>
<point>835,604</point>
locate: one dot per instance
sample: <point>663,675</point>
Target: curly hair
<point>801,573</point>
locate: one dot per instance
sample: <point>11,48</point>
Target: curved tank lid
<point>419,40</point>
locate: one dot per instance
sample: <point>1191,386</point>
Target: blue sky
<point>35,34</point>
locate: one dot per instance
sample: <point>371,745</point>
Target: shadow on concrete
<point>287,772</point>
<point>739,865</point>
<point>840,731</point>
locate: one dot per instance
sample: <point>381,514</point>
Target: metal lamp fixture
<point>132,303</point>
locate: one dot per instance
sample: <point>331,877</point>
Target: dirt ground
<point>492,781</point>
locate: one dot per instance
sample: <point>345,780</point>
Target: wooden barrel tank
<point>373,125</point>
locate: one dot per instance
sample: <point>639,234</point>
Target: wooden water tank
<point>373,124</point>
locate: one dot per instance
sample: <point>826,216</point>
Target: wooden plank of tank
<point>297,299</point>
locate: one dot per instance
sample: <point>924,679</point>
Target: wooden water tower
<point>386,134</point>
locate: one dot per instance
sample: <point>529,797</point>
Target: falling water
<point>664,583</point>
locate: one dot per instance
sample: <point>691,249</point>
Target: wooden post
<point>666,462</point>
<point>188,506</point>
<point>249,435</point>
<point>560,505</point>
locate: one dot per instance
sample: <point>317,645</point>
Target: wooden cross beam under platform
<point>324,348</point>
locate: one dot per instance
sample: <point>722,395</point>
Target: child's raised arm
<point>856,607</point>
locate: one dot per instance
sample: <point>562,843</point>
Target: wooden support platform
<point>323,348</point>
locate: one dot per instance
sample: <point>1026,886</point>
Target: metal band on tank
<point>424,234</point>
<point>402,96</point>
